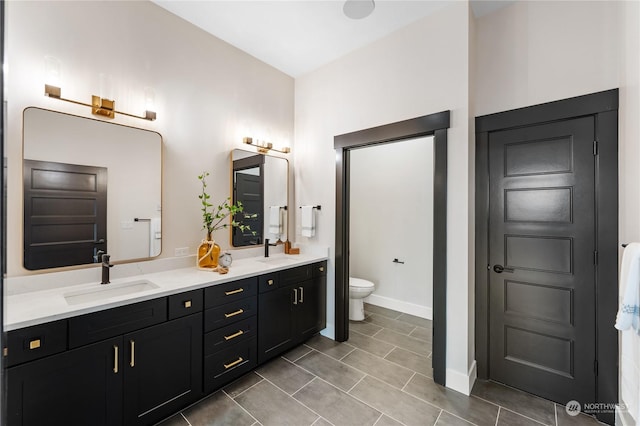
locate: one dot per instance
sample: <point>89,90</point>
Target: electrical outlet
<point>181,251</point>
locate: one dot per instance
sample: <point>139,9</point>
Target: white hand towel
<point>629,311</point>
<point>155,236</point>
<point>275,221</point>
<point>308,222</point>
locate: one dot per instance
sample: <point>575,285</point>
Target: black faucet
<point>266,247</point>
<point>104,258</point>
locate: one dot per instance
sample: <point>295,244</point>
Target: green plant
<point>214,219</point>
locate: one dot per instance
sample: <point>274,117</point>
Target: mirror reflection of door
<point>248,189</point>
<point>65,214</point>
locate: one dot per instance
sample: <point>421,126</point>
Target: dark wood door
<point>65,214</point>
<point>75,388</point>
<point>249,191</point>
<point>162,369</point>
<point>275,316</point>
<point>541,254</point>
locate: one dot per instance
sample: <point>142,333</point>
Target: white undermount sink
<point>106,291</point>
<point>277,260</point>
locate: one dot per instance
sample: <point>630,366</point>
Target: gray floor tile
<point>472,409</point>
<point>412,319</point>
<point>369,344</point>
<point>329,347</point>
<point>380,368</point>
<point>322,422</point>
<point>395,403</point>
<point>242,384</point>
<point>335,405</point>
<point>405,342</point>
<point>565,419</point>
<point>391,324</point>
<point>373,309</point>
<point>509,418</point>
<point>418,363</point>
<point>284,374</point>
<point>270,406</point>
<point>515,400</point>
<point>331,370</point>
<point>387,421</point>
<point>297,353</point>
<point>218,409</point>
<point>363,327</point>
<point>176,420</point>
<point>422,334</point>
<point>448,419</point>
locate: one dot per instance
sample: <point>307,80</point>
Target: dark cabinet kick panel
<point>141,363</point>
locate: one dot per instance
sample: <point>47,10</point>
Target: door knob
<point>500,269</point>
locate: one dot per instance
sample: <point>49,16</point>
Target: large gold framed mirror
<point>89,186</point>
<point>260,183</point>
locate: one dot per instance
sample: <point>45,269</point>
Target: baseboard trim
<point>401,306</point>
<point>623,418</point>
<point>462,383</point>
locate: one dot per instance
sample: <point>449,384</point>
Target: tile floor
<point>382,376</point>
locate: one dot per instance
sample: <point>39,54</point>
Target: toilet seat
<point>360,283</point>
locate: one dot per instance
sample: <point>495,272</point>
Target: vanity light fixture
<point>98,105</point>
<point>264,147</point>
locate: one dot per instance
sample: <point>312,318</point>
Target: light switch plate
<point>181,251</point>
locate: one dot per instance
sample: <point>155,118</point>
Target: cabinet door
<point>162,369</point>
<point>275,319</point>
<point>79,387</point>
<point>310,308</point>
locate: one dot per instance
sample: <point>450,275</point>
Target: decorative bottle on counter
<point>208,253</point>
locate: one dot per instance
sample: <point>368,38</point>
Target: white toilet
<point>358,290</point>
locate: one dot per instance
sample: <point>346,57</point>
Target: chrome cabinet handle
<point>301,294</point>
<point>115,359</point>
<point>132,363</point>
<point>295,296</point>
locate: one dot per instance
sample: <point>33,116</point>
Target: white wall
<point>208,96</point>
<point>419,70</point>
<point>391,208</point>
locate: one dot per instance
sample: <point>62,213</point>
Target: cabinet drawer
<point>319,269</point>
<point>112,322</point>
<point>229,313</point>
<point>229,364</point>
<point>225,293</point>
<point>227,336</point>
<point>267,282</point>
<point>35,342</point>
<point>295,275</point>
<point>185,303</point>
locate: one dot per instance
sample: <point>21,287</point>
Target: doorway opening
<point>435,125</point>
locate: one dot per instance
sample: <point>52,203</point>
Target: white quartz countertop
<point>36,307</point>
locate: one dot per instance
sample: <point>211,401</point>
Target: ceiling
<point>300,36</point>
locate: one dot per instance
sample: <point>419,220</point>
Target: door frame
<point>603,106</point>
<point>435,125</point>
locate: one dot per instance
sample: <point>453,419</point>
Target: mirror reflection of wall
<point>391,217</point>
<point>260,183</point>
<point>132,159</point>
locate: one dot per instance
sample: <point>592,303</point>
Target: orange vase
<point>208,253</point>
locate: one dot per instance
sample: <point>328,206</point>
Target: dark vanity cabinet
<point>230,327</point>
<point>131,365</point>
<point>141,363</point>
<point>291,308</point>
